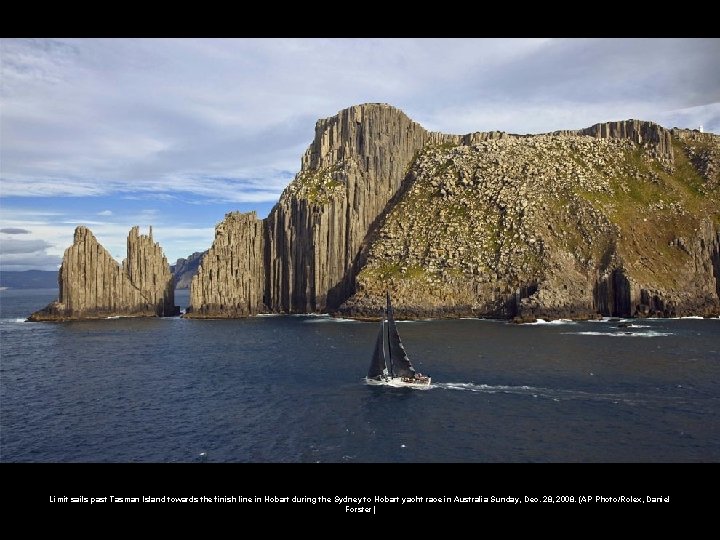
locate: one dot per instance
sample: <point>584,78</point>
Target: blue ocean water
<point>291,389</point>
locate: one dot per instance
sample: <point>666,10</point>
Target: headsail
<point>377,366</point>
<point>401,366</point>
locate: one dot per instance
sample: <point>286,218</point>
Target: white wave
<point>329,320</point>
<point>554,321</point>
<point>650,333</point>
<point>395,383</point>
<point>269,315</point>
<point>555,394</point>
<point>489,389</point>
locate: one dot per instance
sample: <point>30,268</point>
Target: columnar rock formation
<point>229,282</point>
<point>350,172</point>
<point>93,285</point>
<point>637,131</point>
<point>620,218</point>
<point>148,269</point>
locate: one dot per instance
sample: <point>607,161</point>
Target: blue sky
<point>174,133</point>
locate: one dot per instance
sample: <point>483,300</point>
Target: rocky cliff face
<point>185,269</point>
<point>551,226</point>
<point>148,269</point>
<point>93,285</point>
<point>230,281</point>
<point>353,168</point>
<point>617,219</point>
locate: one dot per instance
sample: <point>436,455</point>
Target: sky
<point>174,133</point>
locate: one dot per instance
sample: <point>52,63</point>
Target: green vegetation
<point>595,200</point>
<point>319,186</point>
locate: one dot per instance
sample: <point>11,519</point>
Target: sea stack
<point>94,286</point>
<point>229,281</point>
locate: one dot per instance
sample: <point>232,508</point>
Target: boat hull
<point>399,382</point>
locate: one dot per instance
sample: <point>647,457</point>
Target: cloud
<point>29,261</point>
<point>105,213</point>
<point>215,188</point>
<point>23,246</point>
<point>27,254</point>
<point>10,230</point>
<point>229,118</point>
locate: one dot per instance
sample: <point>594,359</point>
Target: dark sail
<point>401,366</point>
<point>377,366</point>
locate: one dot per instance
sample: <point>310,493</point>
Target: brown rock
<point>230,280</point>
<point>93,285</point>
<point>572,224</point>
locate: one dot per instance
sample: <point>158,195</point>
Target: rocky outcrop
<point>639,132</point>
<point>148,269</point>
<point>703,152</point>
<point>185,269</point>
<point>350,172</point>
<point>93,285</point>
<point>620,218</point>
<point>230,281</point>
<point>551,226</point>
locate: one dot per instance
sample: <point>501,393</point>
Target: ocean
<point>291,389</point>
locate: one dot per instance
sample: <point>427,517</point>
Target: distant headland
<point>619,219</point>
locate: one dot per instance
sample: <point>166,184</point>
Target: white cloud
<point>29,261</point>
<point>22,246</point>
<point>105,213</point>
<point>85,117</point>
<point>26,254</point>
<point>221,189</point>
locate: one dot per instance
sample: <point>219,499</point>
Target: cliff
<point>552,226</point>
<point>229,282</point>
<point>185,269</point>
<point>349,174</point>
<point>617,219</point>
<point>93,285</point>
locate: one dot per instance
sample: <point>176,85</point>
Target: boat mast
<point>388,365</point>
<point>390,356</point>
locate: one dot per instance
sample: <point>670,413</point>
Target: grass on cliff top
<point>645,229</point>
<point>633,197</point>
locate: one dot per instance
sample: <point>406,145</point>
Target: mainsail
<point>400,363</point>
<point>377,366</point>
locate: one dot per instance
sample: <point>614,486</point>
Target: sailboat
<point>393,369</point>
